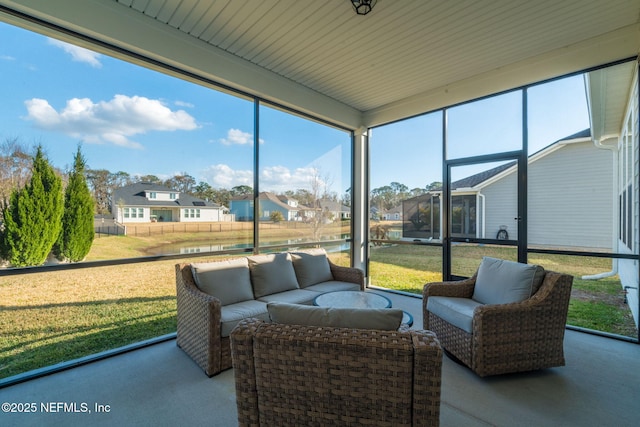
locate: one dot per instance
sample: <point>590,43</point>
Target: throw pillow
<point>501,282</point>
<point>312,267</point>
<point>272,273</point>
<point>229,280</point>
<point>385,319</point>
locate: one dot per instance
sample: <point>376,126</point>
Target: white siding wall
<point>501,208</point>
<point>571,198</point>
<point>122,216</point>
<point>206,215</point>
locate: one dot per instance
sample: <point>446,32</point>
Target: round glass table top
<point>352,299</point>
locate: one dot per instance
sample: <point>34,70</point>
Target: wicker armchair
<point>514,337</point>
<point>199,318</point>
<point>292,375</point>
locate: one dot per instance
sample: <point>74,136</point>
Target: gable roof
<point>265,195</point>
<point>135,195</point>
<point>479,178</point>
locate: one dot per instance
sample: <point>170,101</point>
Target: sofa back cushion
<point>311,267</point>
<point>229,281</point>
<point>385,319</point>
<point>501,282</point>
<point>272,273</point>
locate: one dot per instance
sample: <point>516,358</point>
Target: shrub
<point>76,236</point>
<point>32,217</point>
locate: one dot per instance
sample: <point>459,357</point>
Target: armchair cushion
<point>229,281</point>
<point>456,311</point>
<point>232,314</point>
<point>501,282</point>
<point>272,273</point>
<point>386,319</point>
<point>311,267</point>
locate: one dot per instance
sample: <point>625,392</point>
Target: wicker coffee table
<point>357,299</point>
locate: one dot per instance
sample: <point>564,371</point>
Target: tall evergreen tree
<point>77,232</point>
<point>32,218</point>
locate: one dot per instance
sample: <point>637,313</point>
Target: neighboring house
<point>393,214</point>
<point>337,210</point>
<point>242,207</point>
<point>147,202</point>
<point>565,178</point>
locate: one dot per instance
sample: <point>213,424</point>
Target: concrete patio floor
<point>160,386</point>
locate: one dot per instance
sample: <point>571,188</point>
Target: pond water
<point>202,247</point>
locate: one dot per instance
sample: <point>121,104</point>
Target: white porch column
<point>360,199</point>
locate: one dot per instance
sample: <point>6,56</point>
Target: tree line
<point>389,196</point>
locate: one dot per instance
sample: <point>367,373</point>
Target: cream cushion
<point>501,282</point>
<point>311,267</point>
<point>272,273</point>
<point>229,280</point>
<point>456,311</point>
<point>386,319</point>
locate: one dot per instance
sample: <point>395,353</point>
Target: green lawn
<point>48,318</point>
<point>595,304</point>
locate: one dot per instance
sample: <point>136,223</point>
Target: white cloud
<point>184,104</point>
<point>238,137</point>
<point>78,54</point>
<point>7,58</point>
<point>280,178</point>
<point>223,176</point>
<point>275,179</point>
<point>111,121</point>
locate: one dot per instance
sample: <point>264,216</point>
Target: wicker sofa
<point>300,375</point>
<point>213,297</point>
<point>494,332</point>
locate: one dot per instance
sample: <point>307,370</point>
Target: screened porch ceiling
<point>403,58</point>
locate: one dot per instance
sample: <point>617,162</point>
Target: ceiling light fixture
<point>363,7</point>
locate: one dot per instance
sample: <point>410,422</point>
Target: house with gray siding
<point>560,192</point>
<point>242,207</point>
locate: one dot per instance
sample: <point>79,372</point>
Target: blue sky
<point>555,110</point>
<point>139,121</point>
<point>143,122</point>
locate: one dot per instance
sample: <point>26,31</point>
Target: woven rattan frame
<point>199,314</point>
<point>506,338</point>
<point>291,375</point>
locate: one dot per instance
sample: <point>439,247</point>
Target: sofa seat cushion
<point>456,311</point>
<point>501,282</point>
<point>232,314</point>
<point>229,280</point>
<point>295,296</point>
<point>272,273</point>
<point>386,319</point>
<point>311,267</point>
<point>333,285</point>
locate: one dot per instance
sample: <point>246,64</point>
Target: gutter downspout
<point>599,143</point>
<point>484,221</point>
